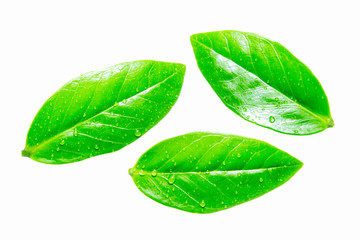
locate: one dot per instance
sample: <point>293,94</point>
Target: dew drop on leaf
<point>271,119</point>
<point>261,180</point>
<point>62,143</point>
<point>96,147</point>
<point>154,173</point>
<point>75,132</point>
<point>202,204</point>
<point>137,133</point>
<point>171,180</point>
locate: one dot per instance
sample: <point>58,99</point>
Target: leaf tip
<point>193,38</point>
<point>182,68</point>
<point>298,166</point>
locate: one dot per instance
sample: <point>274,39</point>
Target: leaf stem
<point>25,153</point>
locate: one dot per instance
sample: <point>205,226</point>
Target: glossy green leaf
<point>261,81</point>
<point>208,172</point>
<point>103,111</point>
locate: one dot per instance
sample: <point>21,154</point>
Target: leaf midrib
<point>323,119</point>
<point>217,172</point>
<point>29,150</point>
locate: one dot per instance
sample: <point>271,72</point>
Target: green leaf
<point>103,111</point>
<point>261,81</point>
<point>208,172</point>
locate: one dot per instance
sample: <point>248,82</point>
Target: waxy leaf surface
<point>208,172</point>
<point>103,111</point>
<point>261,81</point>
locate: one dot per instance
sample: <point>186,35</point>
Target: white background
<point>44,44</point>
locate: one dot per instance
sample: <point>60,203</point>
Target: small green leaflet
<point>261,81</point>
<point>103,111</point>
<point>208,172</point>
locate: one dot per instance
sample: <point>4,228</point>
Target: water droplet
<point>52,155</point>
<point>84,115</point>
<point>137,133</point>
<point>202,204</point>
<point>271,119</point>
<point>141,173</point>
<point>238,155</point>
<point>171,179</point>
<point>57,149</point>
<point>276,99</point>
<point>154,173</point>
<point>244,109</point>
<point>96,147</point>
<point>124,101</point>
<point>62,143</point>
<point>261,180</point>
<point>296,131</point>
<point>224,163</point>
<point>75,132</point>
<point>95,108</point>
